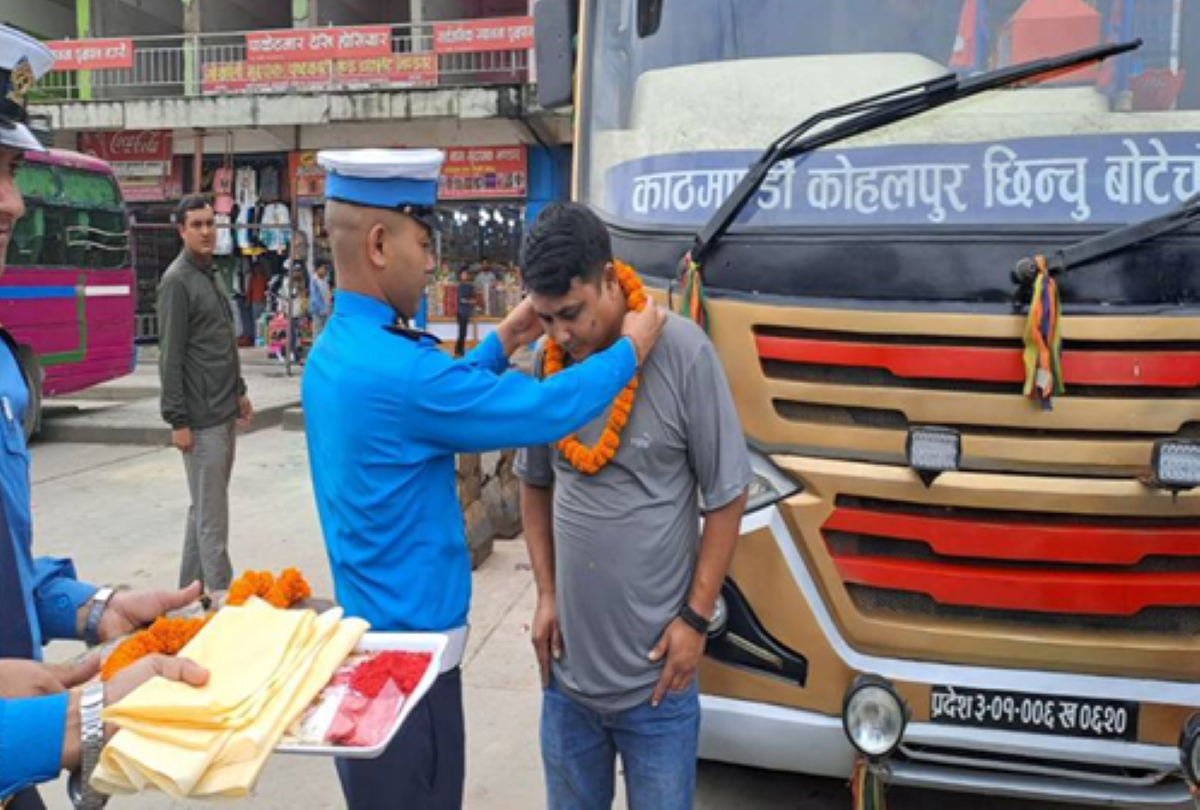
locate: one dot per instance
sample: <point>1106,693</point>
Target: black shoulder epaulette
<point>415,335</point>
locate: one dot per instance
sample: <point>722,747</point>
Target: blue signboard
<point>1091,179</point>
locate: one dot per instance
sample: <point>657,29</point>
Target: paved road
<point>119,510</point>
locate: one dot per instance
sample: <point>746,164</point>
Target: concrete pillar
<point>416,11</point>
<point>192,28</point>
<point>198,161</point>
<point>85,11</point>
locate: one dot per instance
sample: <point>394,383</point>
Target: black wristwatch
<point>693,619</point>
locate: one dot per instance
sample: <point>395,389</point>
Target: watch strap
<point>693,619</point>
<point>91,742</point>
<point>91,630</point>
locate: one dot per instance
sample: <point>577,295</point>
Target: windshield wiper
<point>879,111</point>
<point>1115,241</point>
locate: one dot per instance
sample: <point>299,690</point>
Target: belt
<point>456,645</point>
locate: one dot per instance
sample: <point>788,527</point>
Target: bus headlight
<point>1189,749</point>
<point>874,716</point>
<point>769,484</point>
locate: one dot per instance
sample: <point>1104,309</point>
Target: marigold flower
<point>166,636</point>
<point>590,461</point>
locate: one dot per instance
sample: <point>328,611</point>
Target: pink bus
<point>67,295</point>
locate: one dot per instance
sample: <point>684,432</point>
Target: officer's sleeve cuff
<point>626,358</point>
<point>490,354</point>
<point>58,597</point>
<point>31,741</point>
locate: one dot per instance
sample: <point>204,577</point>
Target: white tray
<point>432,643</point>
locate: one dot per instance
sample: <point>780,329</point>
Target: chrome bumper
<point>782,739</point>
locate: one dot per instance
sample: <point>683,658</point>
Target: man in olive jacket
<point>203,394</point>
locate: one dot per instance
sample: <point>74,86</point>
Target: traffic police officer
<point>43,726</point>
<point>386,412</point>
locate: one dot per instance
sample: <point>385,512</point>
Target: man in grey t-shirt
<point>626,580</point>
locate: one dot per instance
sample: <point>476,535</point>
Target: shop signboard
<point>92,54</point>
<point>318,44</point>
<point>472,36</point>
<point>141,159</point>
<point>308,178</point>
<point>484,173</point>
<point>393,70</point>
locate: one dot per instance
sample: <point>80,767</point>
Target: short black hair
<point>567,241</point>
<point>192,202</point>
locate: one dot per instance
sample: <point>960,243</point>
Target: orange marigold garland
<point>590,460</point>
<point>166,636</point>
<point>282,593</point>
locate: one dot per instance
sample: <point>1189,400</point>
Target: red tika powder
<point>402,668</point>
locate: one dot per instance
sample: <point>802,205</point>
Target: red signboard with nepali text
<point>484,172</point>
<point>393,70</point>
<point>92,54</point>
<point>316,44</point>
<point>469,36</point>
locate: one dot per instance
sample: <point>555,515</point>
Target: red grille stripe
<point>1005,541</point>
<point>1149,369</point>
<point>1099,594</point>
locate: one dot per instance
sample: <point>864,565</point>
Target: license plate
<point>1039,714</point>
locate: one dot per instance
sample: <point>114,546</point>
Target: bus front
<point>1015,575</point>
<point>67,293</point>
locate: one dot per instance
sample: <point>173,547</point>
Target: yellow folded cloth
<point>265,666</point>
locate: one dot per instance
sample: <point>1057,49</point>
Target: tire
<point>32,370</point>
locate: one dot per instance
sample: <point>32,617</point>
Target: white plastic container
<point>432,643</point>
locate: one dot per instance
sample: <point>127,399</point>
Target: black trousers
<point>27,799</point>
<point>424,767</point>
<point>464,323</point>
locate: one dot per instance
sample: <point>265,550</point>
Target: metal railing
<point>215,64</point>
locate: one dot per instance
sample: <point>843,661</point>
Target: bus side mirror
<point>554,27</point>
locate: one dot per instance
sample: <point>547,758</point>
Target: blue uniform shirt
<point>48,591</point>
<point>385,414</point>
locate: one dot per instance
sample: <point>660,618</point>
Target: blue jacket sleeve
<point>489,355</point>
<point>31,739</point>
<point>57,597</point>
<point>458,407</point>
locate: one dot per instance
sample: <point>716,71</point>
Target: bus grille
<point>1046,570</point>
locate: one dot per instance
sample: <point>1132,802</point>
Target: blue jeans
<point>657,748</point>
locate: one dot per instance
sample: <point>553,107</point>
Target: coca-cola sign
<point>128,146</point>
<point>141,159</point>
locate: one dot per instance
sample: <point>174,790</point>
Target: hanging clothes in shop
<point>249,239</point>
<point>223,182</point>
<point>304,225</point>
<point>224,244</point>
<point>277,239</point>
<point>269,190</point>
<point>246,187</point>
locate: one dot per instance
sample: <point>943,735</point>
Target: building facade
<point>233,98</point>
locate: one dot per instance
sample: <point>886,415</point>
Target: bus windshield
<point>675,110</point>
<point>67,292</point>
<point>73,218</point>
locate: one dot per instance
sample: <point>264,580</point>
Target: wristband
<point>693,619</point>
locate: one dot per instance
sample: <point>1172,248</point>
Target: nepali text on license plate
<point>1039,714</point>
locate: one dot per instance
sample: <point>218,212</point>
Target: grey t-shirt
<point>626,540</point>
